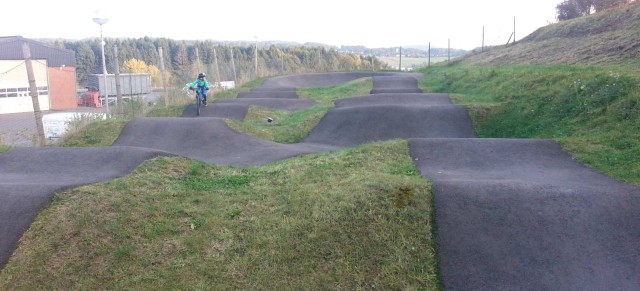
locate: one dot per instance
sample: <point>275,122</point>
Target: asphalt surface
<point>510,214</point>
<point>29,177</point>
<point>523,215</point>
<point>210,140</point>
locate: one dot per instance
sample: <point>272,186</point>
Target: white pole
<point>104,71</point>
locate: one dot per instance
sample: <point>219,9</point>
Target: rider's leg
<point>204,96</point>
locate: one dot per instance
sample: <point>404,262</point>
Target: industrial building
<point>54,70</point>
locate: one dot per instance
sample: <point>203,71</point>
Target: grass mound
<point>353,219</point>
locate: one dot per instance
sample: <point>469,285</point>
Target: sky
<point>368,23</point>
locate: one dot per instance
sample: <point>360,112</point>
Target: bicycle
<point>199,99</point>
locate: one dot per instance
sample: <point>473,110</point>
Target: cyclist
<point>201,85</point>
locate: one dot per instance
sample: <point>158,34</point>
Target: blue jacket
<point>199,83</point>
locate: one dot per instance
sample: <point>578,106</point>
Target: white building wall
<point>14,86</point>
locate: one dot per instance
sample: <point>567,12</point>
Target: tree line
<point>184,59</point>
<point>570,9</point>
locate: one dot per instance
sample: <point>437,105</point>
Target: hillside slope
<point>606,38</point>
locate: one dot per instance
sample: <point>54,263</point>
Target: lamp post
<point>100,21</point>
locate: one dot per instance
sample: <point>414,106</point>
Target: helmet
<point>201,75</point>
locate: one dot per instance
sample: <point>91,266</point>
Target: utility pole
<point>429,56</point>
<point>117,75</point>
<point>33,91</point>
<point>482,48</point>
<point>198,66</point>
<point>256,57</point>
<point>373,63</point>
<point>514,29</point>
<point>164,78</point>
<point>448,51</point>
<point>400,65</point>
<point>233,66</point>
<point>215,59</point>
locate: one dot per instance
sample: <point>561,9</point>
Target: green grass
<point>287,126</point>
<point>96,133</point>
<point>232,93</point>
<point>294,126</point>
<point>5,148</point>
<point>594,112</point>
<point>327,95</point>
<point>353,219</point>
<point>393,62</point>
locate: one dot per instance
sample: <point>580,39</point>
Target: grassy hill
<point>608,38</point>
<point>576,81</point>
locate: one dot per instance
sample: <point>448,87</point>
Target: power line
<point>17,66</point>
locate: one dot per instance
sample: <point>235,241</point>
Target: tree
<point>570,9</point>
<point>136,66</point>
<point>181,62</point>
<point>142,57</point>
<point>85,60</point>
<point>601,5</point>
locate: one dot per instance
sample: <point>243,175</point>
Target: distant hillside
<point>610,37</point>
<point>409,51</point>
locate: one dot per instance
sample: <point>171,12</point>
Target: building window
<point>22,92</point>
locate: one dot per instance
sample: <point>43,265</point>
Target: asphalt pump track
<point>510,213</point>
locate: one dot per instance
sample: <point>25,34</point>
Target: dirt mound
<point>350,126</point>
<point>277,103</point>
<point>406,99</point>
<point>30,176</point>
<point>269,94</point>
<point>323,79</point>
<point>209,140</point>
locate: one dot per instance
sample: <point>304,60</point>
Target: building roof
<point>11,49</point>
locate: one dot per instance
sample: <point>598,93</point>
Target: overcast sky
<point>334,22</point>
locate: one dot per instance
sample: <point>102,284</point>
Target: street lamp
<point>100,21</point>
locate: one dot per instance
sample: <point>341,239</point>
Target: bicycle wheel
<point>198,97</point>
